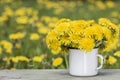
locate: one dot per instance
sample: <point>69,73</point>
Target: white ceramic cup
<point>84,64</point>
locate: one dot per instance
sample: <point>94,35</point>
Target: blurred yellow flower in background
<point>14,59</point>
<point>46,19</point>
<point>38,58</point>
<point>9,51</point>
<point>20,12</point>
<point>7,46</point>
<point>22,20</point>
<point>39,24</point>
<point>8,11</point>
<point>100,5</point>
<point>117,54</point>
<point>7,1</point>
<point>3,18</point>
<point>114,13</point>
<point>110,4</point>
<point>18,35</point>
<point>34,36</point>
<point>112,60</point>
<point>43,30</point>
<point>57,61</point>
<point>22,58</point>
<point>13,68</point>
<point>58,10</point>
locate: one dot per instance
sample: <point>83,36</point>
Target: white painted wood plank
<point>58,74</point>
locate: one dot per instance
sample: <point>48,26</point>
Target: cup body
<point>83,64</point>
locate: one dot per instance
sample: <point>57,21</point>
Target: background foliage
<point>24,25</point>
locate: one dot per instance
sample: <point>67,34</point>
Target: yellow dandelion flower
<point>18,35</point>
<point>7,46</point>
<point>22,20</point>
<point>9,51</point>
<point>52,35</point>
<point>111,44</point>
<point>55,46</point>
<point>13,68</point>
<point>38,58</point>
<point>65,41</point>
<point>86,44</point>
<point>63,20</point>
<point>110,4</point>
<point>58,61</point>
<point>76,27</point>
<point>33,19</point>
<point>54,19</point>
<point>58,11</point>
<point>62,27</point>
<point>94,31</point>
<point>34,36</point>
<point>100,5</point>
<point>51,25</point>
<point>104,21</point>
<point>55,51</point>
<point>14,59</point>
<point>3,18</point>
<point>38,24</point>
<point>20,12</point>
<point>22,58</point>
<point>115,29</point>
<point>13,36</point>
<point>29,11</point>
<point>117,54</point>
<point>8,11</point>
<point>8,1</point>
<point>75,39</point>
<point>115,14</point>
<point>112,60</point>
<point>43,30</point>
<point>107,33</point>
<point>90,22</point>
<point>46,19</point>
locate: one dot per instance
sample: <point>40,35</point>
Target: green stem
<point>66,60</point>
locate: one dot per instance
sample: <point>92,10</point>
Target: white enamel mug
<point>84,64</point>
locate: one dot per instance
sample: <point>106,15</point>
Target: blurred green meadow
<point>24,25</point>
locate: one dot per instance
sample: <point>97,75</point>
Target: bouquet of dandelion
<point>83,35</point>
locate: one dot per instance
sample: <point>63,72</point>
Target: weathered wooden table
<point>58,74</point>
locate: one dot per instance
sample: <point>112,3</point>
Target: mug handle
<point>102,61</point>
